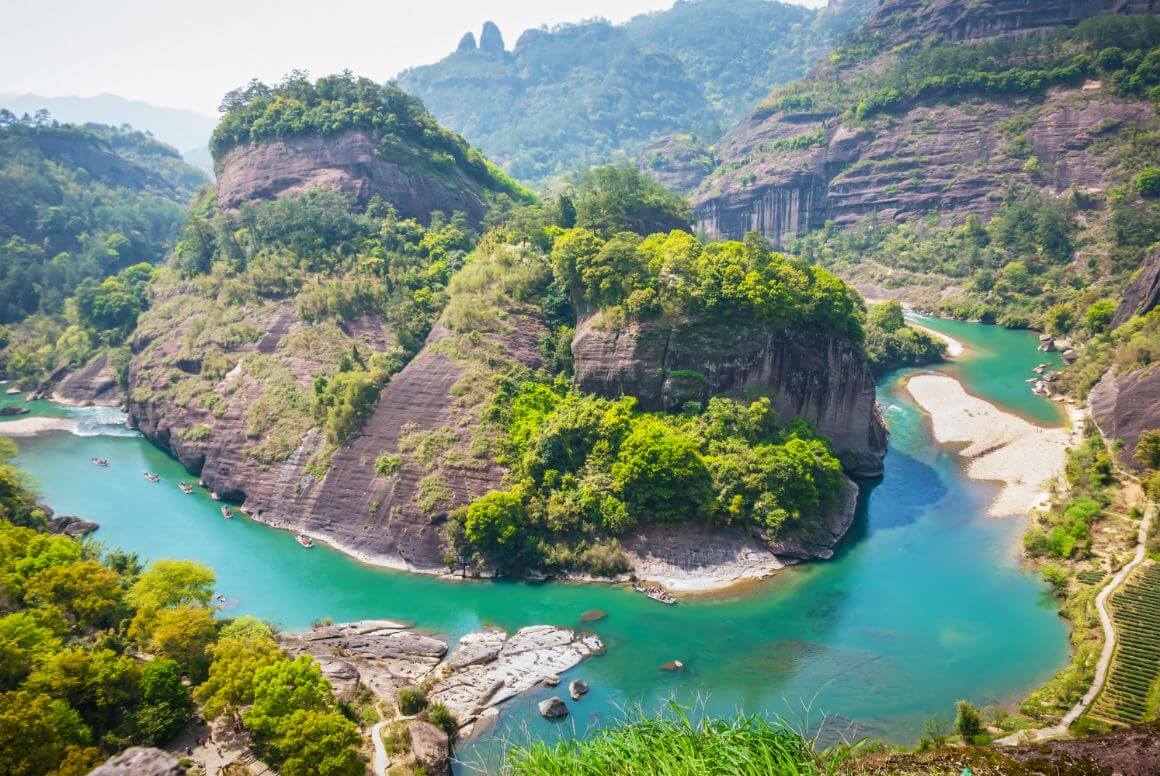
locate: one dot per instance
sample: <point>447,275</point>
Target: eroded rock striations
<point>486,668</point>
<point>1143,293</point>
<point>1124,406</point>
<point>820,378</point>
<point>140,761</point>
<point>348,162</point>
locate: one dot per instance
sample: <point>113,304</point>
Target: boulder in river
<point>593,615</point>
<point>551,681</point>
<point>673,665</point>
<point>13,410</point>
<point>553,708</point>
<point>577,688</point>
<point>71,525</point>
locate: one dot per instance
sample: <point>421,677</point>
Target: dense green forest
<point>77,621</point>
<point>579,95</point>
<point>84,211</point>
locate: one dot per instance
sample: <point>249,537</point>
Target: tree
<point>182,633</point>
<point>1148,181</point>
<point>35,733</point>
<point>887,316</point>
<point>493,523</point>
<point>102,686</point>
<point>659,471</point>
<point>23,639</point>
<point>318,743</point>
<point>86,591</point>
<point>621,198</point>
<point>168,583</point>
<point>236,660</point>
<point>1099,315</point>
<point>284,687</point>
<point>166,706</point>
<point>968,721</point>
<point>1148,449</point>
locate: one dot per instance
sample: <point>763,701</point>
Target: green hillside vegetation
<point>891,344</point>
<point>83,211</point>
<point>579,95</point>
<point>76,621</point>
<point>331,264</point>
<point>403,129</point>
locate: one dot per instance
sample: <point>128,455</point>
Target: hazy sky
<point>187,55</point>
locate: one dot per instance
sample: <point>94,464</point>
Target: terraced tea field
<point>1136,667</point>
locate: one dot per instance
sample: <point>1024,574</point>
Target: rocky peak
<point>467,42</point>
<point>491,40</point>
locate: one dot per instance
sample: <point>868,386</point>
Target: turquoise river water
<point>924,604</point>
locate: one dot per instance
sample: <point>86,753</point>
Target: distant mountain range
<point>186,130</point>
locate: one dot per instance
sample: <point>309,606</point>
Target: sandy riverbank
<point>32,426</point>
<point>997,446</point>
<point>954,347</point>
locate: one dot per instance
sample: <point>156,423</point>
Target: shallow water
<point>925,603</point>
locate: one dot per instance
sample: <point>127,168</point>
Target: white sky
<point>188,55</point>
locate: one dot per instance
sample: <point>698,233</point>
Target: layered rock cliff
<point>1124,406</point>
<point>347,162</point>
<point>1142,293</point>
<point>664,364</point>
<point>800,160</point>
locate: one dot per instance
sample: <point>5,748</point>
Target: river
<point>925,603</point>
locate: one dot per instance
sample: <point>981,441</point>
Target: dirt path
<point>1105,661</point>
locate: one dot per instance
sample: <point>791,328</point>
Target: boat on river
<point>305,541</point>
<point>99,461</point>
<point>185,487</point>
<point>152,477</point>
<point>227,513</point>
<point>656,594</point>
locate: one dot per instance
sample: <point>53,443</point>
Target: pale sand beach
<point>33,426</point>
<point>997,446</point>
<point>954,347</point>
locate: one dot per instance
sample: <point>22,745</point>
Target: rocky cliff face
<point>346,162</point>
<point>822,379</point>
<point>952,159</point>
<point>93,384</point>
<point>1124,406</point>
<point>396,519</point>
<point>1143,293</point>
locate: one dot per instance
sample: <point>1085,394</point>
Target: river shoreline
<point>996,446</point>
<point>33,426</point>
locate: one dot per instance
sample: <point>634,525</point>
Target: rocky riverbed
<point>485,669</point>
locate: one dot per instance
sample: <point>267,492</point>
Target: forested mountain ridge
<point>80,205</point>
<point>988,171</point>
<point>350,362</point>
<point>577,95</point>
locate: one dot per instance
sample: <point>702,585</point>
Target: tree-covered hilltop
<point>404,132</point>
<point>84,211</point>
<point>578,95</point>
<point>99,652</point>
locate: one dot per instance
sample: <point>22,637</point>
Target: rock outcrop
<point>1142,293</point>
<point>348,162</point>
<point>1124,406</point>
<point>823,379</point>
<point>949,158</point>
<point>71,525</point>
<point>397,519</point>
<point>486,669</point>
<point>94,384</point>
<point>140,761</point>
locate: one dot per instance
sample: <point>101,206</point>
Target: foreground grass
<point>673,745</point>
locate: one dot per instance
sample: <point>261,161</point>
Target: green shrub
<point>440,716</point>
<point>412,700</point>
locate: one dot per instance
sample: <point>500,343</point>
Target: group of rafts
<point>186,488</point>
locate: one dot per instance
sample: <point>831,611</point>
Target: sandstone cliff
<point>348,162</point>
<point>96,383</point>
<point>1143,292</point>
<point>953,159</point>
<point>822,379</point>
<point>1124,406</point>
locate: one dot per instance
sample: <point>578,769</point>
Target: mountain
<point>79,203</point>
<point>570,97</point>
<point>998,162</point>
<point>335,348</point>
<point>355,136</point>
<point>185,130</point>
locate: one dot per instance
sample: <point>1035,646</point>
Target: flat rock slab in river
<point>486,669</point>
